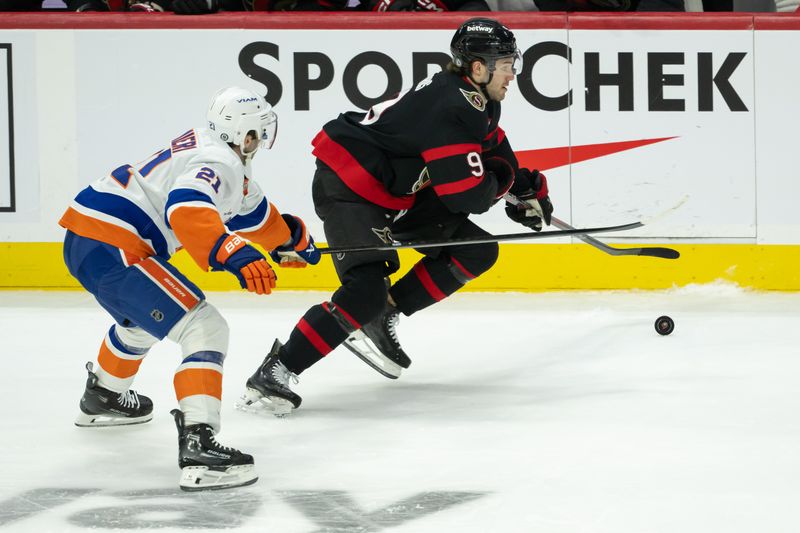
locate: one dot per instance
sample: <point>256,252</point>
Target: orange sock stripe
<point>192,381</point>
<point>115,365</point>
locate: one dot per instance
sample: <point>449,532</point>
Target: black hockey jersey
<point>431,136</point>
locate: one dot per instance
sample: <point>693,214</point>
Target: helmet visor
<point>509,67</point>
<point>269,130</point>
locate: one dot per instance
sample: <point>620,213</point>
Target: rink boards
<point>626,115</point>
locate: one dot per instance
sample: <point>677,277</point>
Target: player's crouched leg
<point>203,335</point>
<point>374,339</point>
<point>435,278</point>
<point>322,328</point>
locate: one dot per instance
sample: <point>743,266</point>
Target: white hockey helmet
<point>235,111</point>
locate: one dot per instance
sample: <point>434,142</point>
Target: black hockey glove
<point>537,206</point>
<point>502,171</point>
<point>195,7</point>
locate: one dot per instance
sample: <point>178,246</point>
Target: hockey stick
<point>396,245</point>
<point>663,253</point>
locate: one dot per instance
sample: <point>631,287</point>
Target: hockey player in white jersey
<point>196,194</point>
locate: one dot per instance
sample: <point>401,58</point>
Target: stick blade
<point>663,253</point>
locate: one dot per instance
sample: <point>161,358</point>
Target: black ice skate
<point>205,463</point>
<point>101,407</point>
<point>377,344</point>
<point>268,389</point>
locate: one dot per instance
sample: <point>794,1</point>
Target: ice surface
<point>551,412</point>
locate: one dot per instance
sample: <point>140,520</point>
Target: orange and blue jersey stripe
<point>252,220</point>
<point>115,220</point>
<point>270,232</point>
<point>186,198</point>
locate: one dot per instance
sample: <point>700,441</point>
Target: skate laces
<point>282,374</point>
<point>216,443</point>
<point>129,399</point>
<point>391,324</point>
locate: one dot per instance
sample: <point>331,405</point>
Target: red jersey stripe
<point>355,176</point>
<point>458,186</point>
<point>450,150</point>
<point>497,131</point>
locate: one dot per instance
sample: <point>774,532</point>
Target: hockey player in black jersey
<point>413,167</point>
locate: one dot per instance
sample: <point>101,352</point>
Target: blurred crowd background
<point>199,7</point>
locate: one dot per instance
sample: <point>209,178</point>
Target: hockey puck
<point>664,325</point>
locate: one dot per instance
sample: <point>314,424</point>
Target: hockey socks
<point>317,333</point>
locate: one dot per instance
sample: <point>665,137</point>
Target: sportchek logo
<point>672,81</point>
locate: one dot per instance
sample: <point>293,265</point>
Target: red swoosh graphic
<point>547,158</point>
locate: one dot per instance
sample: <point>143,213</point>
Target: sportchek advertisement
<point>625,122</point>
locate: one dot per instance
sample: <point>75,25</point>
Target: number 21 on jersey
<point>208,174</point>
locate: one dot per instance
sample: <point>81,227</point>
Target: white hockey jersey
<point>186,195</point>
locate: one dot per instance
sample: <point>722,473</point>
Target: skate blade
<point>104,420</point>
<point>197,478</point>
<point>253,401</point>
<point>364,349</point>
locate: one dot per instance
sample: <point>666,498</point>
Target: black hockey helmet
<point>486,40</point>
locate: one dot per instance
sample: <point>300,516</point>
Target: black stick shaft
<point>491,238</point>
